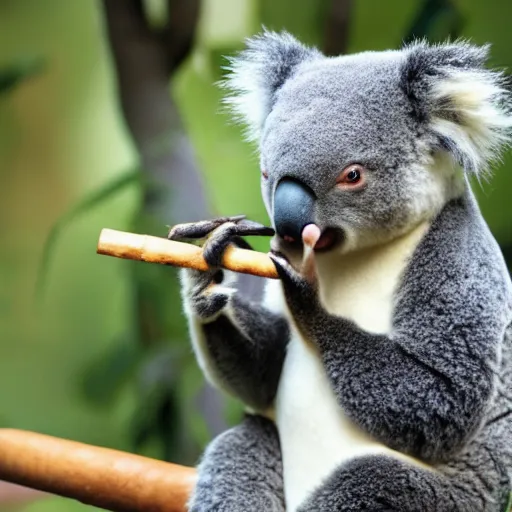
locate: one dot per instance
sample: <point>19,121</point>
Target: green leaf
<point>105,377</point>
<point>436,21</point>
<point>19,71</point>
<point>158,422</point>
<point>508,506</point>
<point>91,201</point>
<point>158,376</point>
<point>507,253</point>
<point>307,21</point>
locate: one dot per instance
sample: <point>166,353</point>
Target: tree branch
<point>178,35</point>
<point>17,495</point>
<point>153,249</point>
<point>143,75</point>
<point>337,27</point>
<point>145,60</point>
<point>108,479</point>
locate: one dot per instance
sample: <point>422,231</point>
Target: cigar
<point>179,254</point>
<point>105,478</point>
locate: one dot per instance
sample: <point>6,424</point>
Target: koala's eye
<point>351,176</point>
<point>264,174</point>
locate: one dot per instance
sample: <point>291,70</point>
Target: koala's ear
<point>258,72</point>
<point>465,106</point>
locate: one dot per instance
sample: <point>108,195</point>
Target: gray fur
<point>383,484</point>
<point>267,63</point>
<point>311,135</point>
<point>241,470</point>
<point>478,478</point>
<point>452,351</point>
<point>245,342</point>
<point>439,385</point>
<point>249,350</point>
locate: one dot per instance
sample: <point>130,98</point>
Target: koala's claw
<point>203,228</point>
<point>216,244</point>
<point>207,305</point>
<point>219,233</point>
<point>200,229</point>
<point>247,227</point>
<point>288,275</point>
<point>301,294</point>
<point>206,300</point>
<point>226,234</point>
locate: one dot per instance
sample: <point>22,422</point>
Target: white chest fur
<point>316,436</point>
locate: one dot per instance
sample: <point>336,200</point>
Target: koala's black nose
<point>293,208</point>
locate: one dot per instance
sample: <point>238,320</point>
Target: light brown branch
<point>160,250</point>
<point>109,479</point>
<point>13,495</point>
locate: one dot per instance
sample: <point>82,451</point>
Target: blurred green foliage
<point>18,71</point>
<point>508,507</point>
<point>435,20</point>
<point>74,366</point>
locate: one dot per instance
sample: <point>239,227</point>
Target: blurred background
<point>110,117</point>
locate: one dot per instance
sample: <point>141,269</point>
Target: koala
<point>377,371</point>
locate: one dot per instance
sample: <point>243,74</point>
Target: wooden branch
<point>337,27</point>
<point>141,58</point>
<point>172,188</point>
<point>13,495</point>
<point>179,33</point>
<point>160,250</point>
<point>109,479</point>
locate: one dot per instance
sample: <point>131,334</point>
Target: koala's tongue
<point>313,237</point>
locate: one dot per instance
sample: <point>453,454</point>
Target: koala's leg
<point>239,345</point>
<point>383,484</point>
<point>241,471</point>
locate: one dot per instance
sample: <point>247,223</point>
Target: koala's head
<point>366,146</point>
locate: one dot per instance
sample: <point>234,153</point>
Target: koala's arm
<point>240,345</point>
<point>425,388</point>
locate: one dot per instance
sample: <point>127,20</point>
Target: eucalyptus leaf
<point>436,21</point>
<point>508,506</point>
<point>507,253</point>
<point>158,418</point>
<point>105,377</point>
<point>156,421</point>
<point>88,203</point>
<point>18,71</point>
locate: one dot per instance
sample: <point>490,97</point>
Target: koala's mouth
<point>328,239</point>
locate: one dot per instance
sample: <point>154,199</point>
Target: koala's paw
<point>219,233</point>
<point>207,293</point>
<point>300,289</point>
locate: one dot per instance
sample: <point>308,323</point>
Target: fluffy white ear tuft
<point>473,115</point>
<point>258,72</point>
<point>466,106</point>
